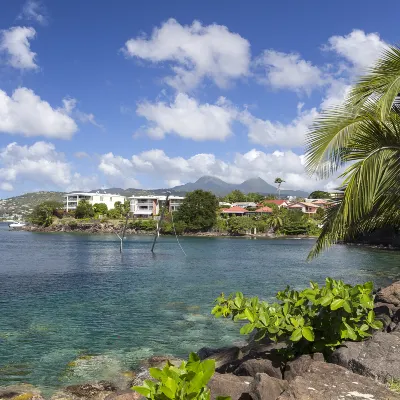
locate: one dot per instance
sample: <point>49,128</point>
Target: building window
<point>101,198</point>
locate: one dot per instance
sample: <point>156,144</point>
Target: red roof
<point>234,210</point>
<point>277,202</point>
<point>264,210</point>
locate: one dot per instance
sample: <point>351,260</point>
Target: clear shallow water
<point>67,295</point>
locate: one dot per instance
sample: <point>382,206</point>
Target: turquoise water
<point>63,296</point>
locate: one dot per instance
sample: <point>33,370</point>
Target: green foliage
<point>320,214</point>
<point>72,224</point>
<point>235,196</point>
<point>254,197</point>
<point>239,225</point>
<point>271,197</point>
<point>143,224</point>
<point>198,211</point>
<point>122,209</point>
<point>319,194</point>
<point>42,215</point>
<point>186,382</point>
<point>114,213</point>
<point>313,320</point>
<point>84,210</point>
<point>100,208</point>
<point>271,205</point>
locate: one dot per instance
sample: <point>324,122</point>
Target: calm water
<point>63,296</point>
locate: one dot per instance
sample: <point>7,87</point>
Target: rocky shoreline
<point>367,370</point>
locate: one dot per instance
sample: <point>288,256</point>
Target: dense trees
<point>319,194</point>
<point>100,208</point>
<point>363,132</point>
<point>43,213</point>
<point>84,210</point>
<point>198,211</point>
<point>236,196</point>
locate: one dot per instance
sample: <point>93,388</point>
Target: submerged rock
<point>20,392</point>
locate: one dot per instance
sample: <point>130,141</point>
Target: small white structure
<point>71,200</point>
<point>244,204</point>
<point>150,206</point>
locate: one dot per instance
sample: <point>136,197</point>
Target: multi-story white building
<point>71,200</point>
<point>150,206</point>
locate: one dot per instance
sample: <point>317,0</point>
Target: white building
<point>150,206</point>
<point>71,200</point>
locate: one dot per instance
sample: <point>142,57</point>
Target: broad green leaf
<point>294,322</point>
<point>308,333</point>
<point>326,300</point>
<point>223,398</point>
<point>249,315</point>
<point>168,392</point>
<point>156,373</point>
<point>142,390</point>
<point>193,357</point>
<point>285,308</point>
<point>337,303</point>
<point>296,335</point>
<point>246,329</point>
<point>371,317</point>
<point>346,306</point>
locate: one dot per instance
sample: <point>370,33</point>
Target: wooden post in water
<point>121,238</point>
<point>159,222</point>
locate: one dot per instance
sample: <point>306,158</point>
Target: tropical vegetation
<point>364,134</point>
<point>317,319</point>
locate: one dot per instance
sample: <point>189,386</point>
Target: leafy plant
<point>315,319</point>
<point>186,382</point>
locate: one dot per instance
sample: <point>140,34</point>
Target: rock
<point>160,361</point>
<point>20,392</point>
<point>377,357</point>
<point>384,308</point>
<point>386,321</point>
<point>300,365</point>
<point>265,387</point>
<point>98,390</point>
<point>124,395</point>
<point>226,358</point>
<point>390,294</point>
<point>396,316</point>
<point>237,387</point>
<point>329,381</point>
<point>252,367</point>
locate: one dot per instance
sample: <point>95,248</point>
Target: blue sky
<point>153,94</point>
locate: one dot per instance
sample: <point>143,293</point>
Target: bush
<point>72,224</point>
<point>188,381</point>
<point>84,210</point>
<point>100,208</point>
<point>313,320</point>
<point>114,213</point>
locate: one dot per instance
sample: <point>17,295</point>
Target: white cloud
<point>71,109</point>
<point>361,50</point>
<point>6,186</point>
<point>14,42</point>
<point>196,52</point>
<point>39,163</point>
<point>25,113</point>
<point>33,11</point>
<point>174,170</point>
<point>289,71</point>
<point>81,154</point>
<point>268,133</point>
<point>335,94</point>
<point>187,118</point>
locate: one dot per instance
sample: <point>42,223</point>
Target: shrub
<point>188,381</point>
<point>84,210</point>
<point>100,208</point>
<point>114,213</point>
<point>315,319</point>
<point>72,224</point>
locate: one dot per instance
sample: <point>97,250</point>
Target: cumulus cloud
<point>188,119</point>
<point>25,113</point>
<point>361,50</point>
<point>195,51</point>
<point>39,163</point>
<point>269,133</point>
<point>289,71</point>
<point>71,109</point>
<point>33,11</point>
<point>15,44</point>
<point>174,170</point>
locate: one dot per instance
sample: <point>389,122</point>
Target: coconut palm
<point>275,221</point>
<point>279,182</point>
<point>363,133</point>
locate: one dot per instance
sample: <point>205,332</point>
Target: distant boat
<point>16,224</point>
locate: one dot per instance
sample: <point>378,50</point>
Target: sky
<point>153,94</point>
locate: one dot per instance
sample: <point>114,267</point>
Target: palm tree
<point>365,134</point>
<point>275,221</point>
<point>279,182</point>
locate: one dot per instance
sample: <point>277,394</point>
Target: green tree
<point>239,225</point>
<point>198,210</point>
<point>278,182</point>
<point>270,197</point>
<point>84,210</point>
<point>254,197</point>
<point>42,215</point>
<point>100,208</point>
<point>363,131</point>
<point>319,194</point>
<point>275,221</point>
<point>114,213</point>
<point>320,214</point>
<point>235,196</point>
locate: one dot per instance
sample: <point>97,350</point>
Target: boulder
<point>265,387</point>
<point>226,358</point>
<point>20,392</point>
<point>98,391</point>
<point>124,395</point>
<point>237,387</point>
<point>253,367</point>
<point>300,365</point>
<point>377,357</point>
<point>385,309</point>
<point>389,294</point>
<point>329,381</point>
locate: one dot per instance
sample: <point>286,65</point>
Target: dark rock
<point>300,365</point>
<point>208,352</point>
<point>386,321</point>
<point>396,316</point>
<point>237,387</point>
<point>252,367</point>
<point>20,392</point>
<point>226,358</point>
<point>124,395</point>
<point>384,308</point>
<point>390,294</point>
<point>160,361</point>
<point>265,387</point>
<point>377,357</point>
<point>323,381</point>
<point>91,390</point>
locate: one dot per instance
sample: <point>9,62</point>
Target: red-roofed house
<point>235,210</point>
<point>306,208</point>
<point>264,210</point>
<point>279,203</point>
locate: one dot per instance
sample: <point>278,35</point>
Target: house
<point>71,200</point>
<point>306,208</point>
<point>321,202</point>
<point>264,210</point>
<point>244,204</point>
<point>224,204</point>
<point>234,210</point>
<point>279,203</point>
<point>150,206</point>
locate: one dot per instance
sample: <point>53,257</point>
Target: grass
<point>394,385</point>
